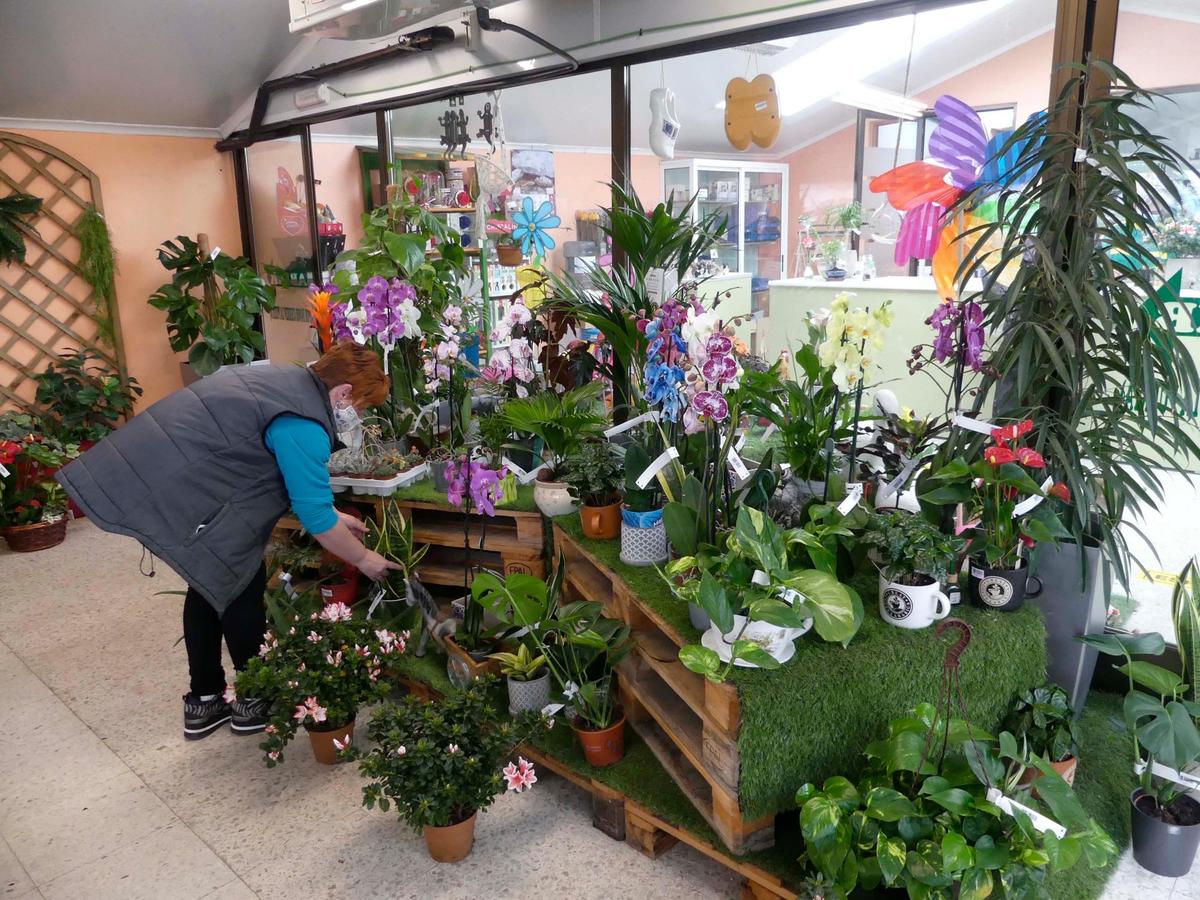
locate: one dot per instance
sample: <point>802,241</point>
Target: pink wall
<point>153,189</point>
<point>1157,52</point>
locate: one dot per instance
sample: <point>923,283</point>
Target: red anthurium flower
<point>1027,540</point>
<point>998,456</point>
<point>1061,491</point>
<point>1011,432</point>
<point>1027,456</point>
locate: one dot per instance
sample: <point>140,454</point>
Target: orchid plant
<point>318,672</point>
<point>512,363</point>
<point>471,484</point>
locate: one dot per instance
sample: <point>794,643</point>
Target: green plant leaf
<point>680,522</point>
<point>988,855</point>
<point>827,601</point>
<point>842,792</point>
<point>752,653</point>
<point>956,800</point>
<point>891,855</point>
<point>956,853</point>
<point>1147,644</point>
<point>1161,681</point>
<point>716,603</point>
<point>976,884</point>
<point>1169,735</point>
<point>700,660</point>
<point>888,805</point>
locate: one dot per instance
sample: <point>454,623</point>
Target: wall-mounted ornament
<point>664,124</point>
<point>751,112</point>
<point>454,129</point>
<point>486,131</point>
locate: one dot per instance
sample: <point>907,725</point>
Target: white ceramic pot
<point>777,641</point>
<point>553,498</point>
<point>905,499</point>
<point>912,606</point>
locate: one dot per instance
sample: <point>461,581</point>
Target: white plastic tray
<point>378,486</point>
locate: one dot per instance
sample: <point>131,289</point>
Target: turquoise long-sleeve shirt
<point>302,449</point>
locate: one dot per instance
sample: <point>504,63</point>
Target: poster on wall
<point>532,176</point>
<point>288,206</point>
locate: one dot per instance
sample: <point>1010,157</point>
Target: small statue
<point>486,131</point>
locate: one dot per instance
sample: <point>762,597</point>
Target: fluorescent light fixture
<point>351,5</point>
<point>864,96</point>
<point>861,51</point>
<point>527,64</point>
<point>720,105</point>
<point>317,95</point>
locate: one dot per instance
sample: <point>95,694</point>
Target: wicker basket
<point>40,536</point>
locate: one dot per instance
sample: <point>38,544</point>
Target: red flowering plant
<point>317,671</point>
<point>27,493</point>
<point>1000,498</point>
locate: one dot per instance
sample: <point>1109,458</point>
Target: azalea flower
<point>342,745</point>
<point>334,659</point>
<point>400,751</point>
<point>230,694</point>
<point>998,456</point>
<point>270,729</point>
<point>273,755</point>
<point>453,750</point>
<point>520,777</point>
<point>336,612</point>
<point>314,638</point>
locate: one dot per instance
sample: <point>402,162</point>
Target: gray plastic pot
<point>1163,849</point>
<point>698,617</point>
<point>531,696</point>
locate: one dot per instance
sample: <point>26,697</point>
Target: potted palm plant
<point>594,478</point>
<point>528,679</point>
<point>562,422</point>
<point>443,763</point>
<point>914,558</point>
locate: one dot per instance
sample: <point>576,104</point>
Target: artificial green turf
<point>808,720</point>
<point>423,491</point>
<point>429,669</point>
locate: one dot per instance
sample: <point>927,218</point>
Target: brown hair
<point>349,363</point>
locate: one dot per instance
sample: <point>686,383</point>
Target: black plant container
<point>1163,849</point>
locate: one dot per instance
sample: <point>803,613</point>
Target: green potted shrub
<point>83,402</point>
<point>562,422</point>
<point>442,763</point>
<point>218,327</point>
<point>594,478</point>
<point>1042,720</point>
<point>643,532</point>
<point>914,558</point>
<point>528,679</point>
<point>316,674</point>
<point>1162,726</point>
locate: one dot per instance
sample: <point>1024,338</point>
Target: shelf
<point>440,210</point>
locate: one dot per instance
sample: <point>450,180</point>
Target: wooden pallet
<point>690,723</point>
<point>624,819</point>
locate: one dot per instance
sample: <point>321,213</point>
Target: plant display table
<point>739,750</point>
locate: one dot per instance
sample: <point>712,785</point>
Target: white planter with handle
<point>912,606</point>
<point>553,498</point>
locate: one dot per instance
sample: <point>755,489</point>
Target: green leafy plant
<point>594,474</point>
<point>749,573</point>
<point>562,421</point>
<point>83,402</point>
<point>847,217</point>
<point>581,645</point>
<point>919,818</point>
<point>217,327</point>
<point>639,499</point>
<point>440,763</point>
<point>28,495</point>
<point>1159,720</point>
<point>1043,719</point>
<point>318,672</point>
<point>909,549</point>
<point>1082,341</point>
<point>495,435</point>
<point>392,538</point>
<point>522,665</point>
<point>1185,615</point>
<point>15,208</point>
<point>98,264</point>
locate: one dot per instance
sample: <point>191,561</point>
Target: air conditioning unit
<point>358,20</point>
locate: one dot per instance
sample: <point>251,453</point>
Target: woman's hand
<point>375,566</point>
<point>356,525</point>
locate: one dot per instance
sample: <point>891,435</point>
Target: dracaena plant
<point>1083,344</point>
<point>919,817</point>
<point>753,571</point>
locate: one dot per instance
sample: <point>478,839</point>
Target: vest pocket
<point>213,521</point>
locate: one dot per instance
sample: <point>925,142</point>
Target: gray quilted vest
<point>192,479</point>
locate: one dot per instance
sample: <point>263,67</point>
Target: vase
<point>450,843</point>
<point>643,537</point>
<point>1159,847</point>
<point>322,742</point>
<point>601,523</point>
<point>528,696</point>
<point>603,746</point>
<point>553,498</point>
<point>1002,589</point>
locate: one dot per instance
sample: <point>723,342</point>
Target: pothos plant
<point>919,817</point>
<point>752,571</point>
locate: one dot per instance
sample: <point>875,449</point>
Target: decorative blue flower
<point>662,389</point>
<point>531,227</point>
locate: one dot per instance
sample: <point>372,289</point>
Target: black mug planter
<point>1002,589</point>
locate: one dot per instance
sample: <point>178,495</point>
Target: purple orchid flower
<point>719,369</point>
<point>712,405</point>
<point>719,345</point>
<point>946,320</point>
<point>474,478</point>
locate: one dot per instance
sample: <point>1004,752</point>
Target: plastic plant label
<point>976,572</point>
<point>740,442</point>
<point>660,463</point>
<point>771,429</point>
<point>739,467</point>
<point>853,494</point>
<point>513,467</point>
<point>651,416</point>
<point>1011,806</point>
<point>1030,503</point>
<point>761,578</point>
<point>376,599</point>
<point>1183,779</point>
<point>655,282</point>
<point>979,426</point>
<point>786,467</point>
<point>4,473</point>
<point>551,709</point>
<point>898,482</point>
<point>216,251</point>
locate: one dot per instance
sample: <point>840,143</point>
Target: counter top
<point>922,283</point>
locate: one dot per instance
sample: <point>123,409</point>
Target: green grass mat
<point>809,719</point>
<point>423,491</point>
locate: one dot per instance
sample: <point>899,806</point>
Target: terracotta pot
<point>39,536</point>
<point>342,590</point>
<point>604,747</point>
<point>450,843</point>
<point>602,523</point>
<point>322,742</point>
<point>508,256</point>
<point>1065,769</point>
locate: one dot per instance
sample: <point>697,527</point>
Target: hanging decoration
<point>664,124</point>
<point>532,227</point>
<point>455,135</point>
<point>751,112</point>
<point>962,158</point>
<point>289,208</point>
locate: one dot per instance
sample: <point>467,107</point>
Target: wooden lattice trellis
<point>46,305</point>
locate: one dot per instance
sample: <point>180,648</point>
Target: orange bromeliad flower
<point>320,306</point>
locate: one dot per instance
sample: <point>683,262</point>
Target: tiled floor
<point>101,798</point>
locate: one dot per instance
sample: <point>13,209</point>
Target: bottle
<point>868,268</point>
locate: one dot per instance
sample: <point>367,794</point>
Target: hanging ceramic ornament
<point>751,112</point>
<point>664,124</point>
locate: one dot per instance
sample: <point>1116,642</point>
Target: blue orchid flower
<point>662,389</point>
<point>531,227</point>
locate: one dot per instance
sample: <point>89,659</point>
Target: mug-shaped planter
<point>1002,589</point>
<point>601,523</point>
<point>553,498</point>
<point>643,537</point>
<point>912,605</point>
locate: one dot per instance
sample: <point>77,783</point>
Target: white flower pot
<point>643,544</point>
<point>904,499</point>
<point>553,498</point>
<point>777,641</point>
<point>912,606</point>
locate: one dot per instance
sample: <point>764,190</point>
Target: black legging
<point>243,625</point>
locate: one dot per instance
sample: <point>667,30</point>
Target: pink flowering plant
<point>440,763</point>
<point>318,671</point>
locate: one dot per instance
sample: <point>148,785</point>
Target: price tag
<point>771,429</point>
<point>976,572</point>
<point>979,426</point>
<point>216,251</point>
<point>853,495</point>
<point>761,578</point>
<point>4,473</point>
<point>896,483</point>
<point>651,416</point>
<point>1183,779</point>
<point>657,466</point>
<point>786,467</point>
<point>654,286</point>
<point>1011,806</point>
<point>740,442</point>
<point>739,467</point>
<point>551,709</point>
<point>1031,502</point>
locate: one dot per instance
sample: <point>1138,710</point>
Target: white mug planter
<point>553,498</point>
<point>912,606</point>
<point>777,641</point>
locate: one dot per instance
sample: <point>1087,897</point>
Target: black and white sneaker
<point>202,717</point>
<point>250,715</point>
